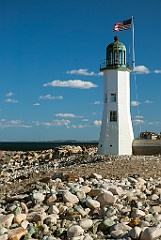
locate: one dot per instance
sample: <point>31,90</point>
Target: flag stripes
<point>124,25</point>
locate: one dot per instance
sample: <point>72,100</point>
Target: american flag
<point>124,25</point>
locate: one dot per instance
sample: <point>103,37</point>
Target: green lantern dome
<point>115,56</point>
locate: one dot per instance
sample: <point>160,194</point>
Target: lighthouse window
<point>113,116</point>
<point>113,97</point>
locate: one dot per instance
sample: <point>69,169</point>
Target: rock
<point>87,237</point>
<point>53,209</point>
<point>4,236</point>
<point>95,175</point>
<point>95,192</point>
<point>135,232</point>
<point>92,204</point>
<point>16,233</point>
<point>39,217</point>
<point>19,218</point>
<point>75,231</point>
<point>90,207</point>
<point>51,199</point>
<point>86,223</point>
<point>137,213</point>
<point>69,197</point>
<point>106,199</point>
<point>24,224</point>
<point>51,219</point>
<point>38,197</point>
<point>85,189</point>
<point>116,190</point>
<point>151,233</point>
<point>6,221</point>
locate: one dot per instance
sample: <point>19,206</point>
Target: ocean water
<point>35,146</point>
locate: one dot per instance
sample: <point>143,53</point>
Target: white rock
<point>53,209</point>
<point>85,189</point>
<point>116,190</point>
<point>3,231</point>
<point>75,231</point>
<point>151,233</point>
<point>52,218</point>
<point>154,197</point>
<point>86,223</point>
<point>69,197</point>
<point>4,236</point>
<point>87,237</point>
<point>106,199</point>
<point>92,204</point>
<point>38,196</point>
<point>95,175</point>
<point>24,224</point>
<point>6,220</point>
<point>141,180</point>
<point>77,238</point>
<point>122,227</point>
<point>137,213</point>
<point>116,233</point>
<point>135,232</point>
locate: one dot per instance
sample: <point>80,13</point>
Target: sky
<point>51,87</point>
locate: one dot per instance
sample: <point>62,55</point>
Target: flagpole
<point>133,49</point>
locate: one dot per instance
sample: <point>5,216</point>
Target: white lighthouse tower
<point>116,131</point>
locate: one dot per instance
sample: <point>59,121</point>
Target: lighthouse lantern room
<point>116,134</point>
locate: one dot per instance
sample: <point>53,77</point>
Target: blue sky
<point>50,53</point>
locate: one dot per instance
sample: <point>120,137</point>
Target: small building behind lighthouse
<point>116,134</point>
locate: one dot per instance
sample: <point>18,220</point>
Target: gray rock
<point>92,204</point>
<point>86,223</point>
<point>69,197</point>
<point>38,197</point>
<point>6,220</point>
<point>135,232</point>
<point>151,233</point>
<point>75,231</point>
<point>106,199</point>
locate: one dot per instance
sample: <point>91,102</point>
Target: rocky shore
<point>72,193</point>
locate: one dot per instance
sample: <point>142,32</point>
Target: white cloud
<point>16,122</point>
<point>71,84</point>
<point>84,71</point>
<point>97,102</point>
<point>153,123</point>
<point>62,122</point>
<point>141,70</point>
<point>72,126</point>
<point>85,120</point>
<point>157,71</point>
<point>36,104</point>
<point>49,97</point>
<point>54,123</point>
<point>69,115</point>
<point>139,117</point>
<point>76,126</point>
<point>147,101</point>
<point>81,71</point>
<point>97,123</point>
<point>100,74</point>
<point>135,103</point>
<point>10,100</point>
<point>10,94</point>
<point>13,123</point>
<point>138,121</point>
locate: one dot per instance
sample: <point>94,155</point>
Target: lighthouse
<point>116,134</point>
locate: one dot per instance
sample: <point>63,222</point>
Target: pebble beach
<point>72,193</point>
